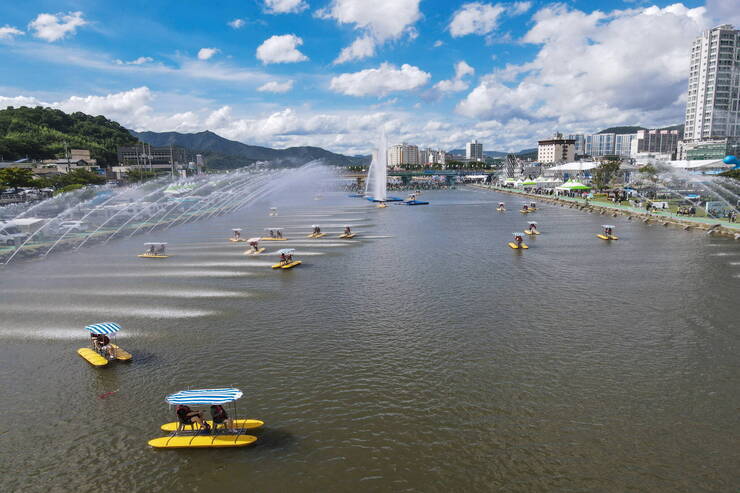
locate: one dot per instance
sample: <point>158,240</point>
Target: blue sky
<point>433,72</point>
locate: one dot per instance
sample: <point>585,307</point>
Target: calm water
<point>425,356</point>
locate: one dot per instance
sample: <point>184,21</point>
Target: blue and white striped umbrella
<point>204,396</point>
<point>103,328</point>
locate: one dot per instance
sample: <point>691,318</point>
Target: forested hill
<point>225,153</point>
<point>41,133</point>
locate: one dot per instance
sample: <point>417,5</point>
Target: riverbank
<point>707,225</point>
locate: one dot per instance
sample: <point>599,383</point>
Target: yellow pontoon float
<point>254,247</point>
<point>608,233</point>
<point>518,243</point>
<point>206,433</point>
<point>286,259</point>
<point>102,349</point>
<point>532,228</point>
<point>501,207</point>
<point>276,234</point>
<point>532,207</point>
<point>154,250</point>
<point>316,232</point>
<point>237,236</point>
<point>525,209</point>
<point>381,205</point>
<point>347,233</point>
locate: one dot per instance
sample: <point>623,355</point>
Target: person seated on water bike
<point>279,234</point>
<point>283,259</point>
<point>218,414</point>
<point>347,230</point>
<point>151,250</point>
<point>253,244</point>
<point>532,227</point>
<point>102,344</point>
<point>237,235</point>
<point>518,240</point>
<point>187,417</point>
<point>289,260</point>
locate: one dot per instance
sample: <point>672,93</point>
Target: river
<point>423,356</point>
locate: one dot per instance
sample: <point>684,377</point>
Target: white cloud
<point>8,32</point>
<point>363,47</point>
<point>589,71</point>
<point>380,20</point>
<point>139,61</point>
<point>206,53</point>
<point>475,18</point>
<point>281,49</point>
<point>236,23</point>
<point>519,8</point>
<point>380,81</point>
<point>438,43</point>
<point>53,27</point>
<point>456,84</point>
<point>285,6</point>
<point>276,87</point>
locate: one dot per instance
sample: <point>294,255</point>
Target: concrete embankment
<point>705,225</point>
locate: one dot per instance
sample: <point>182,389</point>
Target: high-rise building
<point>401,154</point>
<point>609,144</point>
<point>713,98</point>
<point>580,141</point>
<point>655,142</point>
<point>474,151</point>
<point>556,150</point>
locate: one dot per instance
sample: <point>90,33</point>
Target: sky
<point>332,73</point>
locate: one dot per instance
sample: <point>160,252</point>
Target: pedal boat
<point>275,233</point>
<point>93,356</point>
<point>289,265</point>
<point>530,231</point>
<point>237,236</point>
<point>155,250</point>
<point>198,437</point>
<point>605,235</point>
<point>315,234</point>
<point>514,245</point>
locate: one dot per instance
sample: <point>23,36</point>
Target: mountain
<point>224,153</point>
<point>43,133</point>
<point>622,130</point>
<point>493,154</point>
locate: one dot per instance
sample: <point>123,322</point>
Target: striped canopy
<point>236,229</point>
<point>103,328</point>
<point>253,240</point>
<point>285,251</point>
<point>204,396</point>
<point>607,226</point>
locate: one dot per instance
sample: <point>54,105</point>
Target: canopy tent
<point>607,226</point>
<point>285,251</point>
<point>103,328</point>
<point>528,183</point>
<point>518,234</point>
<point>573,185</point>
<point>236,229</point>
<point>273,229</point>
<point>575,166</point>
<point>204,396</point>
<point>532,222</point>
<point>253,240</point>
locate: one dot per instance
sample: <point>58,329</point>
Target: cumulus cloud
<point>138,61</point>
<point>285,6</point>
<point>361,48</point>
<point>438,43</point>
<point>456,84</point>
<point>380,21</point>
<point>276,87</point>
<point>585,73</point>
<point>475,18</point>
<point>8,32</point>
<point>519,8</point>
<point>281,49</point>
<point>53,27</point>
<point>236,23</point>
<point>380,81</point>
<point>206,53</point>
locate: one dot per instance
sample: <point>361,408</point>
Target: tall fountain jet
<point>381,170</point>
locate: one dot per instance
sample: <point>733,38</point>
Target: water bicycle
<point>273,211</point>
<point>255,248</point>
<point>518,243</point>
<point>525,209</point>
<point>154,250</point>
<point>532,207</point>
<point>501,207</point>
<point>237,236</point>
<point>608,233</point>
<point>411,200</point>
<point>381,205</point>
<point>316,232</point>
<point>102,349</point>
<point>276,234</point>
<point>532,228</point>
<point>219,432</point>
<point>286,259</point>
<point>347,233</point>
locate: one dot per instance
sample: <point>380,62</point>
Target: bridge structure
<point>450,175</point>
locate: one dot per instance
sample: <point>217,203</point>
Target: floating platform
<point>236,239</point>
<point>121,354</point>
<point>314,235</point>
<point>149,255</point>
<point>287,266</point>
<point>268,238</point>
<point>92,357</point>
<point>241,424</point>
<point>517,247</point>
<point>252,252</point>
<point>530,232</point>
<point>347,236</point>
<point>389,199</point>
<point>610,237</point>
<point>203,441</point>
<point>356,195</point>
<point>416,202</point>
<point>500,209</point>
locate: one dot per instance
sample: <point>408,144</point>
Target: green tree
<point>605,173</point>
<point>16,177</point>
